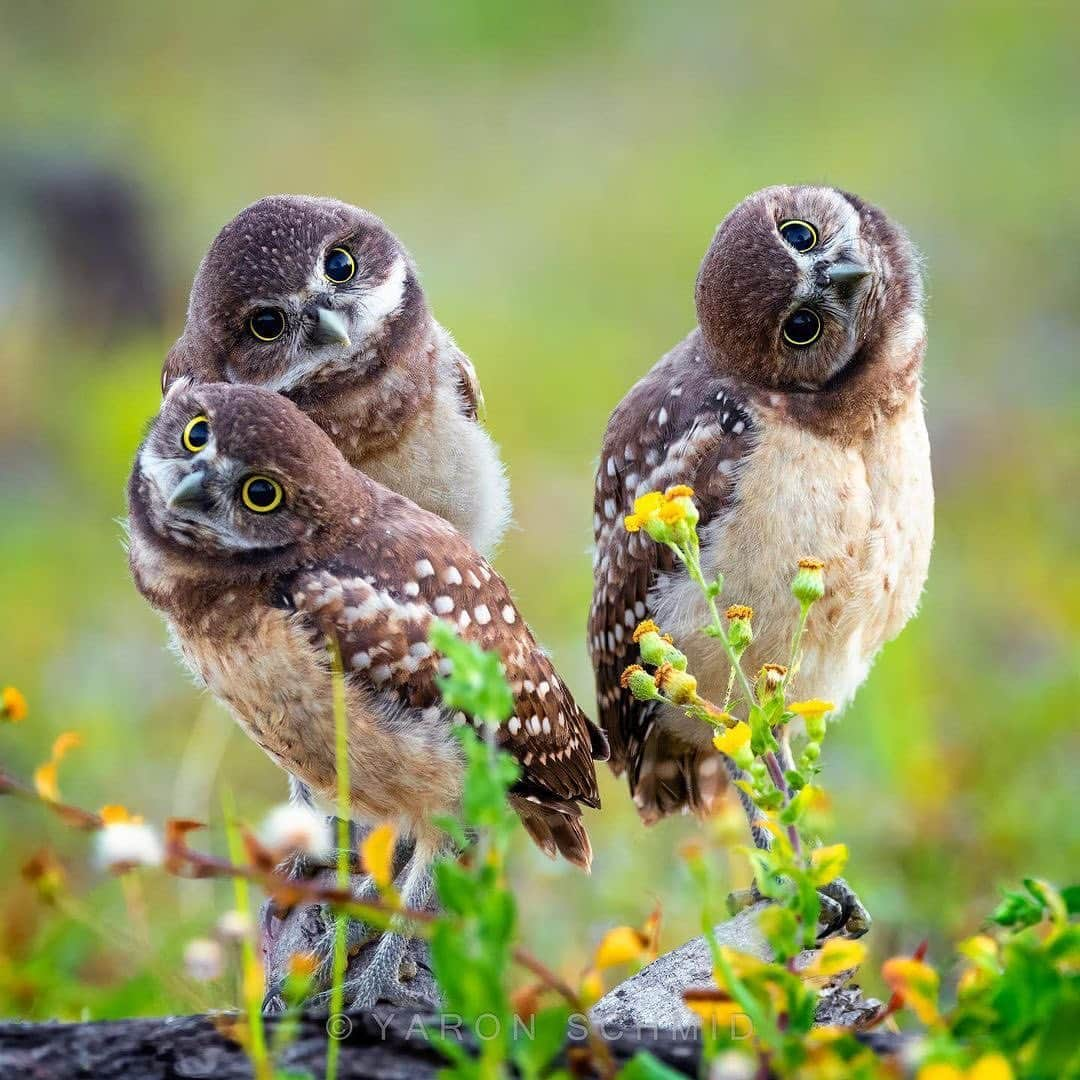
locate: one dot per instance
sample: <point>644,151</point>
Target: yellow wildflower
<point>679,687</point>
<point>660,513</point>
<point>808,584</point>
<point>12,705</point>
<point>990,1067</point>
<point>620,945</point>
<point>644,508</point>
<point>114,814</point>
<point>916,983</point>
<point>812,708</point>
<point>827,863</point>
<point>835,956</point>
<point>739,611</point>
<point>45,776</point>
<point>592,987</point>
<point>733,739</point>
<point>377,854</point>
<point>643,628</point>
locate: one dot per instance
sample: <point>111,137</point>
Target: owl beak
<point>842,272</point>
<point>330,328</point>
<point>189,492</point>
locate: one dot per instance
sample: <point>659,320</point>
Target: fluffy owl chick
<point>318,300</point>
<point>794,411</point>
<point>258,542</point>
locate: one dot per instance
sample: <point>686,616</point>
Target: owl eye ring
<point>196,434</point>
<point>267,324</point>
<point>261,494</point>
<point>339,266</point>
<point>802,327</point>
<point>801,235</point>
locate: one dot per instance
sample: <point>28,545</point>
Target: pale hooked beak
<point>190,491</point>
<point>842,272</point>
<point>330,328</point>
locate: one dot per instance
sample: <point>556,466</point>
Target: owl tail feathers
<point>556,830</point>
<point>669,777</point>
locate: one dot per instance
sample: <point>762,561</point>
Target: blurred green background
<point>557,171</point>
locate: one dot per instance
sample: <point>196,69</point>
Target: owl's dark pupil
<point>199,434</point>
<point>261,492</point>
<point>268,324</point>
<point>339,265</point>
<point>799,235</point>
<point>803,327</point>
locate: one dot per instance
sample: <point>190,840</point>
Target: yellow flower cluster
<point>12,705</point>
<point>666,516</point>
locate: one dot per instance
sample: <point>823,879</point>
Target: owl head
<point>301,295</point>
<point>801,281</point>
<point>235,481</point>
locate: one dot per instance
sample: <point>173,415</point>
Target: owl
<point>318,300</point>
<point>794,410</point>
<point>259,543</point>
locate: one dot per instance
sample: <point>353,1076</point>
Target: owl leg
<point>382,976</point>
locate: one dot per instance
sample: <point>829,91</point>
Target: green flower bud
<point>769,682</point>
<point>640,683</point>
<point>809,582</point>
<point>679,687</point>
<point>740,633</point>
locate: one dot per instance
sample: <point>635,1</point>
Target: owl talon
<point>842,912</point>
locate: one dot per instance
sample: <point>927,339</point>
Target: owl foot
<point>382,980</point>
<point>842,912</point>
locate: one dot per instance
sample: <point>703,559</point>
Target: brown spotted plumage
<point>364,356</point>
<point>252,599</point>
<point>792,450</point>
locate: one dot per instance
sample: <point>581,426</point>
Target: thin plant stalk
<point>341,762</point>
<point>256,1042</point>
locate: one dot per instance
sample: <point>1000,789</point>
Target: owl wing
<point>378,598</point>
<point>467,383</point>
<point>678,425</point>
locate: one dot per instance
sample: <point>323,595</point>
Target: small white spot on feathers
<point>443,605</point>
<point>534,725</point>
<point>452,575</point>
<point>546,725</point>
<point>446,666</point>
<point>509,614</point>
<point>639,609</point>
<point>738,427</point>
<point>361,661</point>
<point>661,418</point>
<point>611,466</point>
<point>420,649</point>
<point>482,615</point>
<point>463,619</point>
<point>609,508</point>
<point>513,725</point>
<point>424,569</point>
<point>411,588</point>
<point>380,673</point>
<point>472,579</point>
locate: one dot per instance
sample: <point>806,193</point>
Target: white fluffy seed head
<point>294,828</point>
<point>127,844</point>
<point>233,926</point>
<point>204,959</point>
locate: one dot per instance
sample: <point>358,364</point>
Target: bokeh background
<point>557,170</point>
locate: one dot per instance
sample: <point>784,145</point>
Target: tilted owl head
<point>240,475</point>
<point>297,293</point>
<point>800,281</point>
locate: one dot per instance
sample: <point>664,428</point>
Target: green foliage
<point>473,936</point>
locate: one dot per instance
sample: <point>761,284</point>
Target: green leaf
<point>643,1066</point>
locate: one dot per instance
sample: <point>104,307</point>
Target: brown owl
<point>794,411</point>
<point>318,300</point>
<point>256,539</point>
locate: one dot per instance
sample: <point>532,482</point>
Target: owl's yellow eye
<point>801,235</point>
<point>196,434</point>
<point>267,324</point>
<point>261,494</point>
<point>339,266</point>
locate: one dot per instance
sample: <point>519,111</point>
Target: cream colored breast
<point>866,510</point>
<point>278,687</point>
<point>449,465</point>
